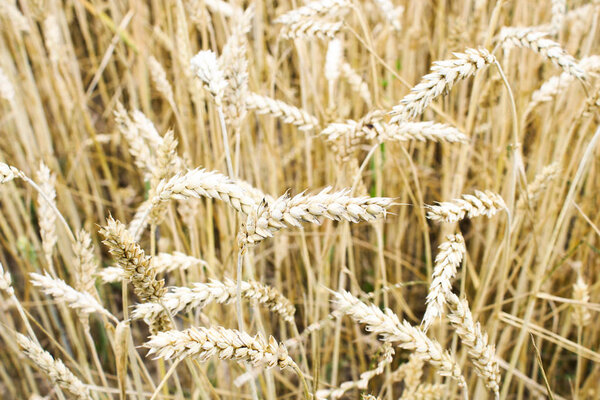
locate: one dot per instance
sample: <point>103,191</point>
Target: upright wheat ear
<point>58,373</point>
<point>448,259</point>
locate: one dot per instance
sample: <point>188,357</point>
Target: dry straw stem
<point>450,255</point>
<point>46,215</point>
<point>444,74</point>
<point>206,67</point>
<point>481,353</point>
<point>58,373</point>
<point>293,211</point>
<point>386,359</point>
<point>387,325</point>
<point>314,9</point>
<point>83,302</point>
<point>277,108</point>
<point>469,206</point>
<point>538,42</point>
<point>225,344</point>
<point>201,294</point>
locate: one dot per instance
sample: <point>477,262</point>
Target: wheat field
<point>336,199</point>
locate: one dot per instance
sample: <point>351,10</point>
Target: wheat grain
<point>538,42</point>
<point>482,354</point>
<point>56,370</point>
<point>277,108</point>
<point>225,344</point>
<point>8,173</point>
<point>387,325</point>
<point>469,206</point>
<point>444,74</point>
<point>202,294</point>
<point>448,259</point>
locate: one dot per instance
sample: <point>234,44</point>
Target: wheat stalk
<point>277,108</point>
<point>387,325</point>
<point>482,354</point>
<point>448,259</point>
<point>470,205</point>
<point>201,294</point>
<point>226,344</point>
<point>538,42</point>
<point>56,370</point>
<point>444,74</point>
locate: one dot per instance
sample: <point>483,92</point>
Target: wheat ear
<point>85,265</point>
<point>293,211</point>
<point>226,344</point>
<point>202,294</point>
<point>444,74</point>
<point>313,10</point>
<point>448,259</point>
<point>277,108</point>
<point>470,205</point>
<point>56,288</point>
<point>538,42</point>
<point>482,354</point>
<point>365,377</point>
<point>56,370</point>
<point>46,216</point>
<point>7,90</point>
<point>387,325</point>
<point>539,184</point>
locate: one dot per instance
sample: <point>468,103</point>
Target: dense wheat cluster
<point>328,199</point>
